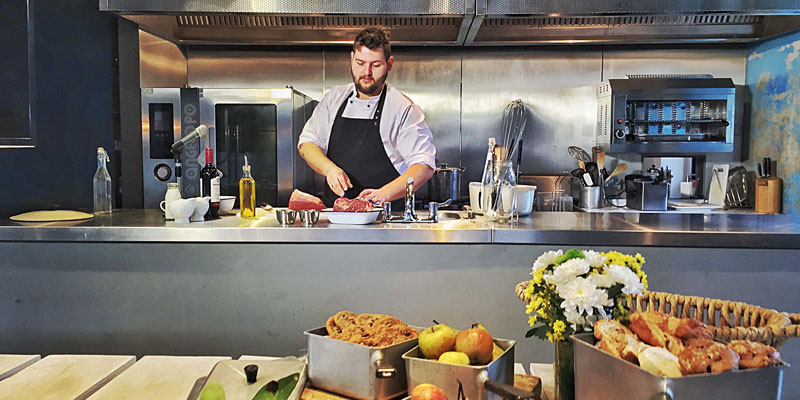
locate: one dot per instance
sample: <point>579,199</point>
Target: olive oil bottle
<point>247,193</point>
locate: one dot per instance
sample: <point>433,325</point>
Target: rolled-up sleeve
<point>316,129</point>
<point>415,139</point>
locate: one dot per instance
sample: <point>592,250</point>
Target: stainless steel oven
<point>263,124</point>
<point>670,115</point>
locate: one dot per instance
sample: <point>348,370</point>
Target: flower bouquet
<point>570,291</point>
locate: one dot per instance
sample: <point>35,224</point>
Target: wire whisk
<point>514,119</point>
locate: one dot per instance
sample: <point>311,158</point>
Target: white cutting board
<point>10,364</point>
<point>63,376</point>
<point>719,184</point>
<point>158,377</point>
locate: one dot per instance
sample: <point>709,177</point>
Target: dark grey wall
<point>73,109</point>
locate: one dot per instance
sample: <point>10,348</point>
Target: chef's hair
<point>373,38</point>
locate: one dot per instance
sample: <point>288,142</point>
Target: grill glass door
<point>676,121</point>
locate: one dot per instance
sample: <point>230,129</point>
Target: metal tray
<point>599,375</point>
<point>230,374</point>
<point>472,377</point>
<point>355,370</point>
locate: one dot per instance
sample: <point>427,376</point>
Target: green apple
<point>454,357</point>
<point>213,391</point>
<point>436,340</point>
<point>477,343</point>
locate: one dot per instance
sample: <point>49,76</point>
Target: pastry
<point>375,330</point>
<point>659,361</point>
<point>647,326</point>
<point>703,356</point>
<point>754,355</point>
<point>617,340</point>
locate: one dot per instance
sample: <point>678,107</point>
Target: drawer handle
<point>384,373</point>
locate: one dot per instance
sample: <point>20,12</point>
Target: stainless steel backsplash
<point>463,90</point>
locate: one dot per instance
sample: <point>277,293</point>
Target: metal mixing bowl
<point>285,217</point>
<point>309,217</point>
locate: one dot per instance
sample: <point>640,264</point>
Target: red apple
<point>477,344</point>
<point>426,391</point>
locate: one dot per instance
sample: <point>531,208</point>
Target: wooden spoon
<point>621,167</point>
<point>601,160</point>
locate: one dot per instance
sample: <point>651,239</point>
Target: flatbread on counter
<point>52,215</point>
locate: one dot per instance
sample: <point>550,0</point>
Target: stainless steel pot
<point>355,370</point>
<point>445,184</point>
<point>479,382</point>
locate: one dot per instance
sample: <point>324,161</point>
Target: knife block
<point>768,195</point>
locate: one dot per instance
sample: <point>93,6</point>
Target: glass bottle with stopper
<point>102,184</point>
<point>247,193</point>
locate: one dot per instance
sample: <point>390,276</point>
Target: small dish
<point>309,217</point>
<point>285,216</point>
<point>226,204</point>
<point>352,217</point>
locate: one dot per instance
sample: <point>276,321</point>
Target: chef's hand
<point>376,196</point>
<point>338,181</point>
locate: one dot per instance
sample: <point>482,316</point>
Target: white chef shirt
<point>404,131</point>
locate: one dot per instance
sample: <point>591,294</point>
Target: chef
<point>367,137</point>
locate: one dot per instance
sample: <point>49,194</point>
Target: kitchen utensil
<point>599,375</point>
<point>760,170</point>
<point>475,197</point>
<point>601,160</point>
<point>590,198</point>
<point>226,204</point>
<point>354,370</point>
<point>445,184</point>
<point>479,382</point>
<point>230,374</point>
<point>620,168</point>
<point>578,173</point>
<point>587,179</point>
<point>768,195</point>
<point>736,195</point>
<point>767,167</point>
<point>181,210</point>
<point>201,205</point>
<point>285,216</point>
<point>514,120</point>
<point>351,217</point>
<point>719,184</point>
<point>309,217</point>
<point>594,172</point>
<point>579,154</point>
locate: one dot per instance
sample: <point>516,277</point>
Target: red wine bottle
<point>209,185</point>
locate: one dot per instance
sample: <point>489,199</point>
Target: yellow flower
<point>559,327</point>
<point>532,320</point>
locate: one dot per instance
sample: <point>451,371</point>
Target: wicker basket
<point>731,320</point>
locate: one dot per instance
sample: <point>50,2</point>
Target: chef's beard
<point>374,88</point>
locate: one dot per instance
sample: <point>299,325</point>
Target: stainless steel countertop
<point>565,228</point>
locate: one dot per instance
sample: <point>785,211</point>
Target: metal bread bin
<point>355,370</point>
<point>480,382</point>
<point>599,375</point>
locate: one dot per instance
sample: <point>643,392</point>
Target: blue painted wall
<point>773,75</point>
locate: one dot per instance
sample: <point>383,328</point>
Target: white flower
<point>545,259</point>
<point>603,280</point>
<point>582,295</point>
<point>567,271</point>
<point>624,275</point>
<point>594,258</point>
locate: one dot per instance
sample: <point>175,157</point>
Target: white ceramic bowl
<point>351,217</point>
<point>201,205</point>
<point>181,209</point>
<point>226,204</point>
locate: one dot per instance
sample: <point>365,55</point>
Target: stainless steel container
<point>646,195</point>
<point>599,375</point>
<point>355,370</point>
<point>480,382</point>
<point>445,184</point>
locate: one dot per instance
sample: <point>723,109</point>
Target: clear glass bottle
<point>247,193</point>
<point>102,184</point>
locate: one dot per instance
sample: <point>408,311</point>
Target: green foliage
<point>279,391</point>
<point>540,331</point>
<point>570,254</point>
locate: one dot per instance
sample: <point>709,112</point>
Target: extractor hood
<point>461,22</point>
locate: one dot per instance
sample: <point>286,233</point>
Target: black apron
<point>355,145</point>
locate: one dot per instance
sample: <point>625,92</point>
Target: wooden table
<point>60,377</point>
<point>10,364</point>
<point>158,377</point>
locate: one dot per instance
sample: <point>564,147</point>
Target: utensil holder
<point>590,197</point>
<point>768,195</point>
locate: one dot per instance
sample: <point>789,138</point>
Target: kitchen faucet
<point>409,215</point>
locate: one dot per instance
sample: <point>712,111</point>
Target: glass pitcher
<point>501,185</point>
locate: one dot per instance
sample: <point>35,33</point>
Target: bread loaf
<point>754,355</point>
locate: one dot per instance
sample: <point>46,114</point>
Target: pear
<point>436,340</point>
